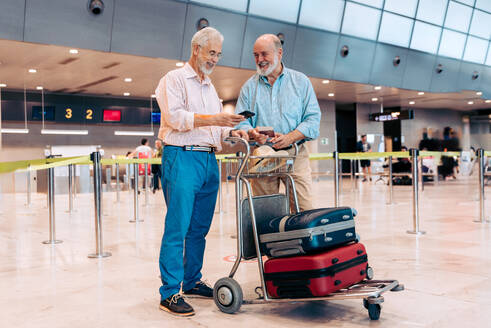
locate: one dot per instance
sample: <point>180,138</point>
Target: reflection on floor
<point>447,272</point>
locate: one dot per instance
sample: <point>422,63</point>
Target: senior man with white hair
<point>283,99</point>
<point>192,128</point>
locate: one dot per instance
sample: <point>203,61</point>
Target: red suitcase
<point>316,274</point>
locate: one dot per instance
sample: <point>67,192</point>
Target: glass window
<point>361,21</point>
<point>452,44</point>
<point>475,50</point>
<point>425,37</point>
<point>285,10</point>
<point>458,17</point>
<point>484,5</point>
<point>488,61</point>
<point>432,11</point>
<point>481,24</point>
<point>373,3</point>
<point>322,14</point>
<point>239,5</point>
<point>406,7</point>
<point>395,29</point>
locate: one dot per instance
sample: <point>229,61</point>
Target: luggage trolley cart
<point>227,292</point>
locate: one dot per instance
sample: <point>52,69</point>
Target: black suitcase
<point>307,231</point>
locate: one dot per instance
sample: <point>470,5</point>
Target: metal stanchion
<point>336,178</point>
<point>117,183</point>
<point>96,159</point>
<point>352,176</point>
<point>74,183</point>
<point>70,188</point>
<point>28,181</point>
<point>414,164</point>
<point>482,213</point>
<point>51,200</point>
<point>391,191</point>
<point>135,194</point>
<point>146,183</point>
<point>220,194</point>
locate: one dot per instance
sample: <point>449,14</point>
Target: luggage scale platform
<point>227,293</point>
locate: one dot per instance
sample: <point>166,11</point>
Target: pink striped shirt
<point>180,94</point>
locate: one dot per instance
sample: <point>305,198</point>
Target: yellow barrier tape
<point>320,156</point>
<point>79,160</point>
<point>373,155</point>
<point>6,167</point>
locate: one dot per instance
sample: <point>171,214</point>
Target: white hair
<point>202,37</point>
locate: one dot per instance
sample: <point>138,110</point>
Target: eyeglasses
<point>213,54</point>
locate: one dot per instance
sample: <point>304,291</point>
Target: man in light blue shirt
<point>283,99</point>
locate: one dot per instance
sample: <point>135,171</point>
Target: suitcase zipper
<point>319,273</point>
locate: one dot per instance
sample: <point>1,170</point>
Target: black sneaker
<point>176,304</point>
<point>201,289</point>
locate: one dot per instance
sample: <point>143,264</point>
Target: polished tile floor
<point>447,272</point>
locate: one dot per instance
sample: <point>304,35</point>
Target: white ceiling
<point>102,73</point>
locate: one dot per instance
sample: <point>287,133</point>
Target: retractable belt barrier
<point>46,163</point>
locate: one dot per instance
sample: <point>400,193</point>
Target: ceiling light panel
<point>406,7</point>
<point>332,13</point>
<point>432,11</point>
<point>361,21</point>
<point>395,29</point>
<point>284,10</point>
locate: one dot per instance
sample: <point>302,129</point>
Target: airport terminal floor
<point>446,272</point>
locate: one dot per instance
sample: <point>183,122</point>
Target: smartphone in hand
<point>247,114</point>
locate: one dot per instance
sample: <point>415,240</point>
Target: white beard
<point>270,70</point>
<point>204,69</point>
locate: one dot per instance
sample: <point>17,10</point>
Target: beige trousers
<point>302,175</point>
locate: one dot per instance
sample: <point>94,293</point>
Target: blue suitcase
<point>307,232</point>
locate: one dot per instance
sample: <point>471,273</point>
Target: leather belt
<point>196,148</point>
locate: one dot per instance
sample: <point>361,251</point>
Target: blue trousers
<point>190,184</point>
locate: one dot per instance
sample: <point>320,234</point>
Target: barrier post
<point>146,183</point>
<point>415,173</point>
<point>391,189</point>
<point>74,176</point>
<point>28,181</point>
<point>482,213</point>
<point>336,178</point>
<point>70,188</point>
<point>135,194</point>
<point>51,206</point>
<point>99,253</point>
<point>117,183</point>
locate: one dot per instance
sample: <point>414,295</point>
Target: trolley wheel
<point>369,273</point>
<point>373,310</point>
<point>227,295</point>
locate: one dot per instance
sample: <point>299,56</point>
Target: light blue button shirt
<point>287,105</point>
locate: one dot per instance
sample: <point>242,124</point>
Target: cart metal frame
<point>227,292</point>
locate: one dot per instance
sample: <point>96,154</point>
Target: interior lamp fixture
<point>32,70</point>
<point>421,93</point>
<point>479,93</point>
<point>374,99</point>
<point>412,102</point>
<point>75,132</point>
<point>126,94</point>
<point>7,130</point>
<point>325,81</point>
<point>39,87</point>
<point>128,79</point>
<point>73,51</point>
<point>180,64</point>
<point>488,101</point>
<point>3,85</point>
<point>378,87</point>
<point>134,133</point>
<point>154,96</point>
<point>330,94</point>
<point>470,102</point>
